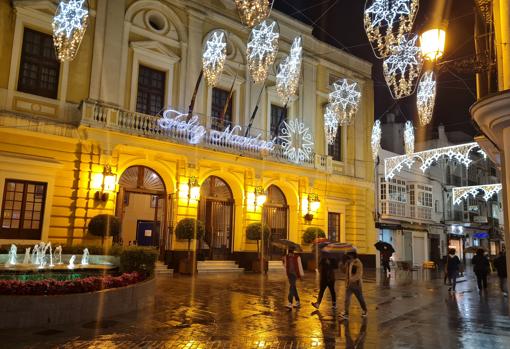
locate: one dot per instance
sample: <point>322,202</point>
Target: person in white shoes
<point>353,283</point>
<point>294,270</point>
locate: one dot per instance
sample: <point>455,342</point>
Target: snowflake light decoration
<point>252,12</point>
<point>409,138</point>
<point>402,68</point>
<point>345,99</point>
<point>427,158</point>
<point>262,48</point>
<point>376,138</point>
<point>330,123</point>
<point>426,97</point>
<point>297,141</point>
<point>214,55</point>
<point>287,79</point>
<point>460,193</point>
<point>386,21</point>
<point>69,26</point>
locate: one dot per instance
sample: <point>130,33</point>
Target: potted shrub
<point>188,229</point>
<point>104,226</point>
<point>258,231</point>
<point>310,234</point>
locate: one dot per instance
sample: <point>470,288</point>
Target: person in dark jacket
<point>500,265</point>
<point>452,268</point>
<point>481,268</point>
<point>294,270</point>
<point>385,259</point>
<point>327,280</point>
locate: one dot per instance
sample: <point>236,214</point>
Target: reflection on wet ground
<point>409,310</point>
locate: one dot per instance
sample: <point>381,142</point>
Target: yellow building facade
<point>80,138</point>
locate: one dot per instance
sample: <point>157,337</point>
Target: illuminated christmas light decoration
<point>402,68</point>
<point>297,141</point>
<point>426,97</point>
<point>287,79</point>
<point>427,158</point>
<point>409,138</point>
<point>376,138</point>
<point>330,124</point>
<point>386,21</point>
<point>462,193</point>
<point>345,99</point>
<point>252,12</point>
<point>214,55</point>
<point>262,48</point>
<point>69,26</point>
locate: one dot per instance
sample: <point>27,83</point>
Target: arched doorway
<point>276,215</point>
<point>141,207</point>
<point>216,211</point>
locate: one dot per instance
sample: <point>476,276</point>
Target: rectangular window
<point>22,209</point>
<point>151,91</point>
<point>219,98</point>
<point>39,68</point>
<point>333,226</point>
<point>335,149</point>
<point>278,116</point>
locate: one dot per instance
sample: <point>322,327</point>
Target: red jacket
<point>295,260</point>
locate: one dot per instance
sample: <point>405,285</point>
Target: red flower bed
<point>53,287</point>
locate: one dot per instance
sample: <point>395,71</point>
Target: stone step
<point>216,262</point>
<point>162,269</point>
<point>276,266</point>
<point>218,267</point>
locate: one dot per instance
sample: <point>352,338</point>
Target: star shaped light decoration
<point>296,141</point>
<point>376,138</point>
<point>344,98</point>
<point>330,123</point>
<point>262,48</point>
<point>409,138</point>
<point>287,79</point>
<point>214,55</point>
<point>386,21</point>
<point>69,26</point>
<point>426,96</point>
<point>252,12</point>
<point>402,68</point>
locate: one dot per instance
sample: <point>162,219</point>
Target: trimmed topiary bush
<point>312,233</point>
<point>104,225</point>
<point>254,232</point>
<point>189,229</point>
<point>138,259</point>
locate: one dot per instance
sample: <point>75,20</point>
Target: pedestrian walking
<point>481,268</point>
<point>294,270</point>
<point>385,259</point>
<point>500,265</point>
<point>452,268</point>
<point>327,280</point>
<point>353,283</point>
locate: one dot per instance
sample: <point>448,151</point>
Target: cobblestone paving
<point>410,310</point>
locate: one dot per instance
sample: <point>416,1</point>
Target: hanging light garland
<point>345,99</point>
<point>386,21</point>
<point>409,138</point>
<point>402,68</point>
<point>252,12</point>
<point>287,79</point>
<point>69,26</point>
<point>262,48</point>
<point>460,193</point>
<point>376,138</point>
<point>426,97</point>
<point>214,55</point>
<point>330,124</point>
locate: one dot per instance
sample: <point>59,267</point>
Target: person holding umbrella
<point>294,270</point>
<point>386,251</point>
<point>327,268</point>
<point>353,283</point>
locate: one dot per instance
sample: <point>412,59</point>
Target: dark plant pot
<point>186,266</point>
<point>258,267</point>
<point>311,265</point>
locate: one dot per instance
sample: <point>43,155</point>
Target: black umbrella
<point>285,244</point>
<point>384,247</point>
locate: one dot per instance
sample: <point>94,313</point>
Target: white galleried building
<point>415,211</point>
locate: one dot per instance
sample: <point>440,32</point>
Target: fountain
<point>26,260</point>
<point>57,253</point>
<point>71,262</point>
<point>35,253</point>
<point>85,257</point>
<point>12,255</point>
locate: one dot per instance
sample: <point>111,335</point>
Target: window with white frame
<point>393,197</point>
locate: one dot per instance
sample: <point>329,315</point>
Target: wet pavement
<point>409,310</point>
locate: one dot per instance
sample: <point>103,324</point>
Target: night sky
<point>340,23</point>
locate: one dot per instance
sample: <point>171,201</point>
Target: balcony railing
<point>402,210</point>
<point>107,117</point>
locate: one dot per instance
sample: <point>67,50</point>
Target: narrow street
<point>411,310</point>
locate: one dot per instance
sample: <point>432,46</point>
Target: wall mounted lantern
<point>104,183</point>
<point>432,43</point>
<point>194,189</point>
<point>260,196</point>
<point>312,204</point>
